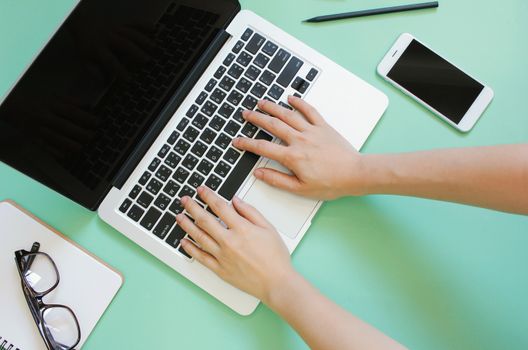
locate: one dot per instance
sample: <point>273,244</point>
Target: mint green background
<point>432,275</point>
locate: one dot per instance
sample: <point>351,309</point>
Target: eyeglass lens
<point>41,274</point>
<point>60,326</point>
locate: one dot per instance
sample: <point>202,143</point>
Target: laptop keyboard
<point>199,150</point>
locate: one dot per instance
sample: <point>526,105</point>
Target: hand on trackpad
<point>286,211</point>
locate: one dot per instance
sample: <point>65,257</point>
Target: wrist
<point>280,288</point>
<point>371,175</point>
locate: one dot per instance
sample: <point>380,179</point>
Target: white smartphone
<point>435,83</point>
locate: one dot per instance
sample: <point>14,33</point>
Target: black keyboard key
<point>191,134</point>
<point>200,121</point>
<point>270,48</point>
<point>214,154</point>
<point>258,90</point>
<point>135,191</point>
<point>223,141</point>
<point>183,252</point>
<point>231,156</point>
<point>235,97</point>
<point>239,174</point>
<point>144,178</point>
<point>232,128</point>
<point>297,95</point>
<point>182,124</point>
<point>235,71</point>
<point>205,167</point>
<point>290,71</point>
<point>244,85</point>
<point>218,96</point>
<point>262,135</point>
<point>279,61</point>
<point>192,111</point>
<point>213,182</point>
<point>135,213</point>
<point>145,199</point>
<point>201,98</point>
<point>244,59</point>
<point>276,91</point>
<point>190,162</point>
<point>208,136</point>
<point>209,108</point>
<point>164,226</point>
<point>196,180</point>
<point>238,116</point>
<point>199,149</point>
<point>222,169</point>
<point>238,46</point>
<point>300,85</point>
<point>249,130</point>
<point>217,123</point>
<point>173,138</point>
<point>249,102</point>
<point>163,173</point>
<point>227,83</point>
<point>126,204</point>
<point>226,110</point>
<point>175,236</point>
<point>219,72</point>
<point>182,147</point>
<point>171,188</point>
<point>267,77</point>
<point>287,106</point>
<point>261,60</point>
<point>151,217</point>
<point>252,73</point>
<point>247,34</point>
<point>181,175</point>
<point>154,164</point>
<point>210,85</point>
<point>312,74</point>
<point>255,43</point>
<point>176,207</point>
<point>187,191</point>
<point>162,201</point>
<point>229,59</point>
<point>172,160</point>
<point>154,186</point>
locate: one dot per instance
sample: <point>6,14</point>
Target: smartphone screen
<point>435,81</point>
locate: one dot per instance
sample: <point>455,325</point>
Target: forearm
<point>494,177</point>
<point>321,323</point>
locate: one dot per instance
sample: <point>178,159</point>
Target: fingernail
<point>179,217</point>
<point>200,189</point>
<point>237,199</point>
<point>245,114</point>
<point>260,103</point>
<point>258,173</point>
<point>184,200</point>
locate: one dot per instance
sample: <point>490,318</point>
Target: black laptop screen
<point>98,85</point>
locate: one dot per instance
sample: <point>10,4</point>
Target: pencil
<point>372,12</point>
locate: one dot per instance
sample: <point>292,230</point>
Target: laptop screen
<point>76,114</point>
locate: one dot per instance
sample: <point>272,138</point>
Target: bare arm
<point>325,166</point>
<point>251,255</point>
<point>494,177</point>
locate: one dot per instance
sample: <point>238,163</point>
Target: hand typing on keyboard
<point>323,163</point>
<point>250,255</point>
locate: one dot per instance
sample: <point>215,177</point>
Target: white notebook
<point>87,284</point>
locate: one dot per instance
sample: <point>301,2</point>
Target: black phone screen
<point>435,81</point>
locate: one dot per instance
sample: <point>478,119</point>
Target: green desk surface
<point>432,275</point>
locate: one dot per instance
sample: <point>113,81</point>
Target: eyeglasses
<point>57,324</point>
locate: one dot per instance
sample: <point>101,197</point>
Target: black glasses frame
<point>24,260</point>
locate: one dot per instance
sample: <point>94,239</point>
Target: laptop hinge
<point>168,111</point>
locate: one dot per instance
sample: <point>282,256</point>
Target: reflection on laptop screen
<point>75,116</point>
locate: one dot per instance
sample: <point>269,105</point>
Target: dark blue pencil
<point>425,5</point>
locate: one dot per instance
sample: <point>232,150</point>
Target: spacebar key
<point>241,171</point>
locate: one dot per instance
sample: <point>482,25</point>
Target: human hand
<point>323,163</point>
<point>249,253</point>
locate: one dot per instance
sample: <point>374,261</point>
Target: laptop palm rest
<point>286,211</point>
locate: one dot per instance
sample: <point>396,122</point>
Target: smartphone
<point>435,83</point>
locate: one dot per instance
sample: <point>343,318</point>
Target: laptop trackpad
<point>286,211</point>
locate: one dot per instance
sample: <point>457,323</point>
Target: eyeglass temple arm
<point>34,249</point>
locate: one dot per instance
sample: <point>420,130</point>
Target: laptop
<point>133,104</point>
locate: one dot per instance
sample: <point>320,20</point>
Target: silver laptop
<point>133,104</point>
